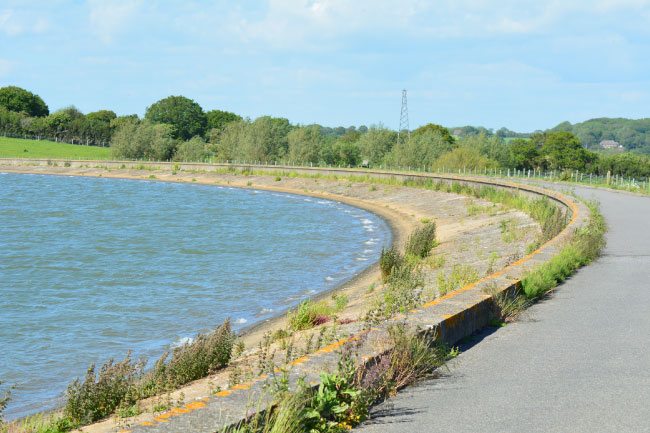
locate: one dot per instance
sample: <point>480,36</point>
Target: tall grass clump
<point>421,240</point>
<point>389,259</point>
<point>583,246</point>
<point>122,384</point>
<point>100,393</point>
<point>4,400</point>
<point>204,355</point>
<point>309,314</point>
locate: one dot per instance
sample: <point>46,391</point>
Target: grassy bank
<point>21,148</point>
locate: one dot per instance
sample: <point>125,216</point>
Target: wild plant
<point>421,240</point>
<point>389,259</point>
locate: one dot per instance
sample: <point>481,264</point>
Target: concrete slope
<point>579,361</point>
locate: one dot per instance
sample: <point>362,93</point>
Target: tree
<point>102,116</point>
<point>22,101</point>
<point>185,116</point>
<point>421,150</point>
<point>305,144</point>
<point>525,154</point>
<point>144,140</point>
<point>376,143</point>
<point>562,150</point>
<point>432,127</point>
<point>217,119</point>
<point>194,149</point>
<point>465,157</point>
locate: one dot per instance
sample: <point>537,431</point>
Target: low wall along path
<point>447,319</point>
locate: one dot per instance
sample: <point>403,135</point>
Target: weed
<point>436,262</point>
<point>389,259</point>
<point>461,275</point>
<point>340,301</point>
<point>193,180</point>
<point>309,314</point>
<point>494,257</point>
<point>421,240</point>
<point>152,176</point>
<point>373,188</point>
<point>249,183</point>
<point>425,220</point>
<point>278,178</point>
<point>505,307</point>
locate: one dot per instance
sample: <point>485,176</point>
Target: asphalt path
<point>578,361</point>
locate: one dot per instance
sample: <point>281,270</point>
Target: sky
<point>524,65</point>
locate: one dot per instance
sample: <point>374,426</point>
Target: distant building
<point>457,132</point>
<point>610,144</point>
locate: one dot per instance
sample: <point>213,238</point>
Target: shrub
<point>307,315</point>
<point>388,260</point>
<point>206,354</point>
<point>421,240</point>
<point>100,394</point>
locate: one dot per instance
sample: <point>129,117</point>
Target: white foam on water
<point>369,229</point>
<point>182,341</point>
<point>329,279</point>
<point>322,202</point>
<point>368,251</point>
<point>370,242</point>
<point>366,221</point>
<point>307,199</point>
<point>266,310</point>
<point>361,259</point>
<point>240,321</point>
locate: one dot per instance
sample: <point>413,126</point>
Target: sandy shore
<point>463,236</point>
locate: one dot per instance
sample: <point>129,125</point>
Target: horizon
<point>338,64</point>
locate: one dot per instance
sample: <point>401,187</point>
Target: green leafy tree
<point>493,148</point>
<point>421,150</point>
<point>306,144</point>
<point>562,150</point>
<point>465,157</point>
<point>432,127</point>
<point>525,154</point>
<point>22,101</point>
<point>105,116</point>
<point>144,140</point>
<point>185,116</point>
<point>376,143</point>
<point>217,119</point>
<point>194,149</point>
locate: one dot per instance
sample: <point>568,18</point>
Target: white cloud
<point>6,66</point>
<point>108,19</point>
<point>14,23</point>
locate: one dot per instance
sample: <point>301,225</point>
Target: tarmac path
<point>578,361</point>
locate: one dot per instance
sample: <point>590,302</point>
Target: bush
<point>308,314</point>
<point>388,260</point>
<point>421,240</point>
<point>99,395</point>
<point>204,355</point>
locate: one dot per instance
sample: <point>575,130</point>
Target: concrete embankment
<point>448,318</point>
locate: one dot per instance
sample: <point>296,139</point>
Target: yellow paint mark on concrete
<point>223,393</point>
<point>147,423</point>
<point>195,405</point>
<point>159,419</point>
<point>241,386</point>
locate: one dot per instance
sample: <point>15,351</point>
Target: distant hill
<point>632,134</point>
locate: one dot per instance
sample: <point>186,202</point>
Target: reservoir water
<point>91,268</point>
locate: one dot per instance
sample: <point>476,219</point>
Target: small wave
<point>182,341</point>
<point>257,192</point>
<point>322,202</point>
<point>240,321</point>
<point>329,279</point>
<point>368,251</point>
<point>266,310</point>
<point>369,229</point>
<point>361,259</point>
<point>311,291</point>
<point>370,242</point>
<point>307,199</point>
<point>366,221</point>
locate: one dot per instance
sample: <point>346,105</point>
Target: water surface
<point>92,267</point>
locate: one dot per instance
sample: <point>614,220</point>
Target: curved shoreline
<point>253,333</point>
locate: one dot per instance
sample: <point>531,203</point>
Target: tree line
<point>177,128</point>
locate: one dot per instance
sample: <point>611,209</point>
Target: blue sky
<point>524,65</point>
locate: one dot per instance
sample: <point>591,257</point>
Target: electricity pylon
<point>404,120</point>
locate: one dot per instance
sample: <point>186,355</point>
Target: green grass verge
<point>21,148</point>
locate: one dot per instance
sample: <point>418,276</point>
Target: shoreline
<point>253,333</point>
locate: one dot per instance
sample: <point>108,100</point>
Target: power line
<point>404,120</point>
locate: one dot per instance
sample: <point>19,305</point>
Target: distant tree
<point>347,153</point>
<point>194,149</point>
<point>421,150</point>
<point>185,116</point>
<point>305,144</point>
<point>144,140</point>
<point>263,140</point>
<point>562,150</point>
<point>432,127</point>
<point>376,143</point>
<point>363,129</point>
<point>350,136</point>
<point>22,101</point>
<point>494,148</point>
<point>102,116</point>
<point>465,157</point>
<point>525,154</point>
<point>217,119</point>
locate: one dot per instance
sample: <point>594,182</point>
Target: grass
<point>460,276</point>
<point>309,314</point>
<point>21,148</point>
<point>421,240</point>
